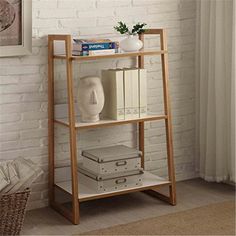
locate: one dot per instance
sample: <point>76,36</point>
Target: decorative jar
<point>131,44</point>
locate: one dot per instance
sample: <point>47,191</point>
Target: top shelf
<point>143,52</point>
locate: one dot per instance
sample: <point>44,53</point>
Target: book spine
<point>106,88</point>
<point>94,53</point>
<point>120,108</point>
<point>128,94</point>
<point>135,93</point>
<point>142,93</point>
<point>114,94</point>
<point>95,46</point>
<point>101,52</point>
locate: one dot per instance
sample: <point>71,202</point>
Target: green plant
<point>122,28</point>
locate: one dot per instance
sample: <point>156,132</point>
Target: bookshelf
<point>72,187</point>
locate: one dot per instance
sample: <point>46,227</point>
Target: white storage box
<point>112,159</point>
<point>112,182</point>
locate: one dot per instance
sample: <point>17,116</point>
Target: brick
<point>13,136</point>
<point>44,4</point>
<point>79,5</point>
<point>81,22</point>
<point>95,13</point>
<point>144,2</point>
<point>7,118</point>
<point>10,98</point>
<point>115,3</point>
<point>16,126</point>
<point>163,7</point>
<point>20,89</point>
<point>34,115</point>
<point>18,70</point>
<point>112,21</point>
<point>45,23</point>
<point>14,145</point>
<point>57,13</point>
<point>130,11</point>
<point>4,80</point>
<point>16,108</point>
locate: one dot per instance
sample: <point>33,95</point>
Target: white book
<point>131,78</point>
<point>128,94</point>
<point>142,93</point>
<point>113,84</point>
<point>94,52</point>
<point>102,52</point>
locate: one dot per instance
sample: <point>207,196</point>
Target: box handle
<point>121,181</point>
<point>121,163</point>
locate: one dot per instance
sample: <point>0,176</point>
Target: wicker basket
<point>12,212</point>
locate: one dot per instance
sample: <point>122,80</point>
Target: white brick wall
<point>23,83</point>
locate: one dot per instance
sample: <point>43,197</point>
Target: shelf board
<point>102,123</point>
<point>143,52</point>
<point>85,194</point>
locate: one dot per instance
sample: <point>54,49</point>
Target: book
<point>131,81</point>
<point>94,52</point>
<point>92,40</point>
<point>94,44</point>
<point>142,93</point>
<point>113,85</point>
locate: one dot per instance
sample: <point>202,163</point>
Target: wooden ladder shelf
<point>151,183</point>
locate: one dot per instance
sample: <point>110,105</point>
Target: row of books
<point>94,47</point>
<point>125,93</point>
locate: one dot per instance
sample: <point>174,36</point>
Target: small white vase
<point>90,98</point>
<point>131,44</point>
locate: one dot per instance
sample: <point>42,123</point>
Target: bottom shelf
<point>86,194</point>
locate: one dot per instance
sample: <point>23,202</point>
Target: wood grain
<point>73,144</point>
<point>168,121</point>
<point>51,119</point>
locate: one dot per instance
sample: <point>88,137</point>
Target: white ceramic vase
<point>90,98</point>
<point>131,44</point>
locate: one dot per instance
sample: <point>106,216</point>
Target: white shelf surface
<point>108,122</point>
<point>142,52</point>
<point>85,193</point>
<point>61,118</point>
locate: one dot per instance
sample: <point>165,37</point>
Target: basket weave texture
<point>12,212</point>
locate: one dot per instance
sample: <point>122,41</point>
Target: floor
<point>127,208</point>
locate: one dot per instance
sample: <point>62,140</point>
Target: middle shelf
<point>102,123</point>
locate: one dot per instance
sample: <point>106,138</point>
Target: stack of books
<point>94,47</point>
<point>111,168</point>
<point>125,93</point>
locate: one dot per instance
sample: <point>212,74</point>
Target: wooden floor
<point>127,208</point>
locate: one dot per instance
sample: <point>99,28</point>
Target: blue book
<point>98,46</point>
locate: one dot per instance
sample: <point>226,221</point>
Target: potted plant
<point>130,43</point>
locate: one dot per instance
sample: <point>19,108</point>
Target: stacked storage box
<point>111,168</point>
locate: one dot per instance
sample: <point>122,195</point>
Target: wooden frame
<point>73,215</point>
<point>26,47</point>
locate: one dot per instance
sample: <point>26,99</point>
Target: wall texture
<point>23,83</point>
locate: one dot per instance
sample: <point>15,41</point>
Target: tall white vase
<point>131,44</point>
<point>90,98</point>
